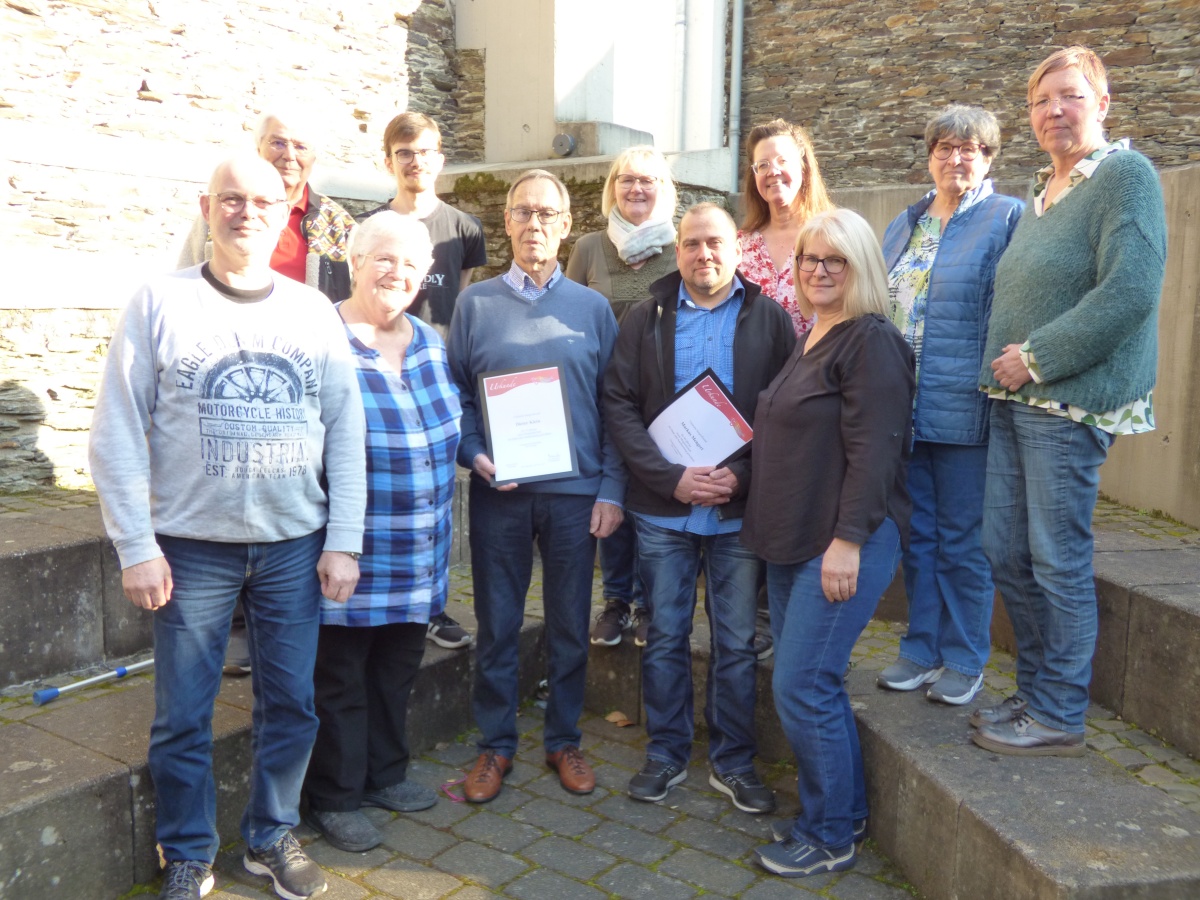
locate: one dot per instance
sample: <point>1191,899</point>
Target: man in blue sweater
<point>528,316</point>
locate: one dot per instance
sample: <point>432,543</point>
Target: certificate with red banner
<point>700,426</point>
<point>527,423</point>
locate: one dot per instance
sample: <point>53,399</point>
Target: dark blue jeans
<point>813,640</point>
<point>1043,474</point>
<point>946,575</point>
<point>281,592</point>
<point>618,566</point>
<point>669,562</point>
<point>503,528</point>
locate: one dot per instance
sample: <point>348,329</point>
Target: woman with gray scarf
<point>621,263</point>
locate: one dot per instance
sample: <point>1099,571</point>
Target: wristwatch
<point>352,554</point>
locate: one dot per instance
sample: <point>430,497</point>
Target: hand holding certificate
<point>527,422</point>
<point>701,426</point>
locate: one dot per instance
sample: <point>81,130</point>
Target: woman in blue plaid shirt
<point>370,647</point>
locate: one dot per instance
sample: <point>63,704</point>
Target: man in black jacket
<point>688,518</point>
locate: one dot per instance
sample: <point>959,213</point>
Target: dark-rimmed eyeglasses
<point>545,216</point>
<point>834,265</point>
<point>406,156</point>
<point>966,152</point>
<point>233,202</point>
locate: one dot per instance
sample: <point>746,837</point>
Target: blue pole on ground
<point>47,694</point>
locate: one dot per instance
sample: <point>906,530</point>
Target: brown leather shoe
<point>483,784</point>
<point>574,774</point>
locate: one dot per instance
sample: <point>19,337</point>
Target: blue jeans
<point>503,528</point>
<point>669,563</point>
<point>813,640</point>
<point>1043,474</point>
<point>618,566</point>
<point>281,592</point>
<point>946,575</point>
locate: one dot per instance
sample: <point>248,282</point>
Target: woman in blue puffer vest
<point>941,255</point>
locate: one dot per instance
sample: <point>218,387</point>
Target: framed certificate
<point>527,424</point>
<point>700,425</point>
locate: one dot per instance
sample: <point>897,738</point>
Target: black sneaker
<point>748,793</point>
<point>781,830</point>
<point>655,779</point>
<point>611,622</point>
<point>641,625</point>
<point>186,879</point>
<point>296,876</point>
<point>445,632</point>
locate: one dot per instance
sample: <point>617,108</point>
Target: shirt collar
<point>518,279</point>
<point>736,289</point>
<point>1085,167</point>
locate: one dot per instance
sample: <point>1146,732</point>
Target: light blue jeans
<point>1043,474</point>
<point>946,575</point>
<point>281,593</point>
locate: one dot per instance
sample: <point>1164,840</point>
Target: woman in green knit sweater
<point>1072,344</point>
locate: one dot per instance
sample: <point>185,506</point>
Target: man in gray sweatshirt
<point>228,452</point>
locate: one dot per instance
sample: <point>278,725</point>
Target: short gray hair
<point>410,233</point>
<point>964,123</point>
<point>534,175</point>
<point>298,120</point>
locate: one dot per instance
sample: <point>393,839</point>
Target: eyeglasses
<point>233,202</point>
<point>1066,101</point>
<point>406,156</point>
<point>782,163</point>
<point>834,265</point>
<point>966,152</point>
<point>645,182</point>
<point>279,145</point>
<point>545,216</point>
<point>393,264</point>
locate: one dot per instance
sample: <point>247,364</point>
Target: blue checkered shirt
<point>704,339</point>
<point>524,286</point>
<point>412,435</point>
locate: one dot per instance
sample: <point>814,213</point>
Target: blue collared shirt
<point>704,340</point>
<point>518,279</point>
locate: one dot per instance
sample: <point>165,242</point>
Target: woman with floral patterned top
<point>1070,363</point>
<point>941,255</point>
<point>783,190</point>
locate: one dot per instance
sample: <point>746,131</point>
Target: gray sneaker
<point>1004,711</point>
<point>296,877</point>
<point>955,688</point>
<point>186,879</point>
<point>906,675</point>
<point>1025,736</point>
<point>402,797</point>
<point>347,830</point>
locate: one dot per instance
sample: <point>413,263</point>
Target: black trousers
<point>363,680</point>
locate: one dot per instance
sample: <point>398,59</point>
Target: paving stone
<point>555,817</point>
<point>1187,768</point>
<point>772,887</point>
<point>630,881</point>
<point>1162,754</point>
<point>569,857</point>
<point>497,832</point>
<point>471,862</point>
<point>1128,758</point>
<point>1104,742</point>
<point>458,755</point>
<point>1158,775</point>
<point>706,871</point>
<point>695,804</point>
<point>545,885</point>
<point>414,839</point>
<point>704,836</point>
<point>510,798</point>
<point>757,827</point>
<point>651,817</point>
<point>852,886</point>
<point>607,731</point>
<point>412,881</point>
<point>627,843</point>
<point>614,779</point>
<point>631,757</point>
<point>1110,725</point>
<point>351,865</point>
<point>1184,793</point>
<point>472,892</point>
<point>444,814</point>
<point>1140,738</point>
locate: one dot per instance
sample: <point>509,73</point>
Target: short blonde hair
<point>1082,58</point>
<point>409,233</point>
<point>848,234</point>
<point>653,163</point>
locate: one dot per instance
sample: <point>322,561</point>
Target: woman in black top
<point>828,510</point>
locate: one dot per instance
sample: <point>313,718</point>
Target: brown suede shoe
<point>483,784</point>
<point>574,774</point>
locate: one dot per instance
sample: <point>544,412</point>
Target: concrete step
<point>76,799</point>
<point>965,824</point>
